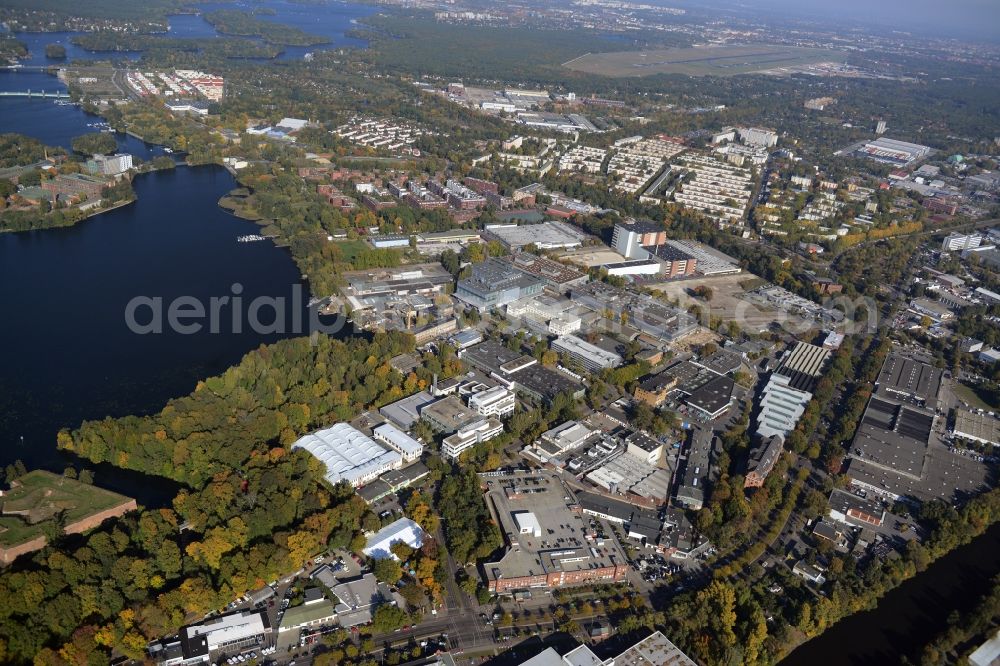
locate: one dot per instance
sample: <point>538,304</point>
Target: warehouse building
<point>976,427</point>
<point>349,455</point>
<point>544,236</point>
<point>404,530</point>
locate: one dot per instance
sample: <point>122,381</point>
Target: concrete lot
<point>728,302</point>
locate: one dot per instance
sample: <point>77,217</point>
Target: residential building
<point>109,165</point>
<point>755,136</point>
<point>809,572</point>
<point>654,650</point>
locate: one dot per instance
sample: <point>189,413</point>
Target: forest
<point>249,508</point>
<point>246,24</point>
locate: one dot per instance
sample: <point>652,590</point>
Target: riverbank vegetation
<point>722,623</point>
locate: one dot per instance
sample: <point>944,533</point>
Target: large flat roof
<point>348,454</point>
<point>546,235</point>
<point>978,427</point>
<point>563,545</point>
<point>406,412</point>
<point>909,378</point>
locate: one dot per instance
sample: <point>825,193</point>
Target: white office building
<point>497,401</point>
<point>591,357</point>
<point>468,436</point>
<point>399,441</point>
<point>959,242</point>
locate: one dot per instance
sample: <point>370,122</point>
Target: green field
<point>702,61</point>
<point>39,496</point>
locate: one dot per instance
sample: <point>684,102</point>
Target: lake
<point>68,353</point>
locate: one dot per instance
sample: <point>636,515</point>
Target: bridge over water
<point>34,93</point>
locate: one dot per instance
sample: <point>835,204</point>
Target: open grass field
<point>39,496</point>
<point>702,61</point>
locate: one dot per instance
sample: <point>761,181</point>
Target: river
<point>910,615</point>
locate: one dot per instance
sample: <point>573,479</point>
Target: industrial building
<point>554,274</point>
<point>850,509</point>
<point>976,427</point>
<point>349,455</point>
<point>448,414</point>
<point>404,530</point>
<point>654,650</point>
<point>404,413</point>
<point>789,390</point>
<point>495,283</point>
<point>591,357</point>
<point>545,314</point>
<point>641,311</point>
<point>521,373</point>
<point>896,452</point>
<point>556,554</point>
<point>891,151</point>
<point>544,236</point>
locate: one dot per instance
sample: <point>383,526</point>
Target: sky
<point>978,19</point>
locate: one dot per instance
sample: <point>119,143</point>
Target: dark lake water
<point>69,354</point>
<point>909,616</point>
